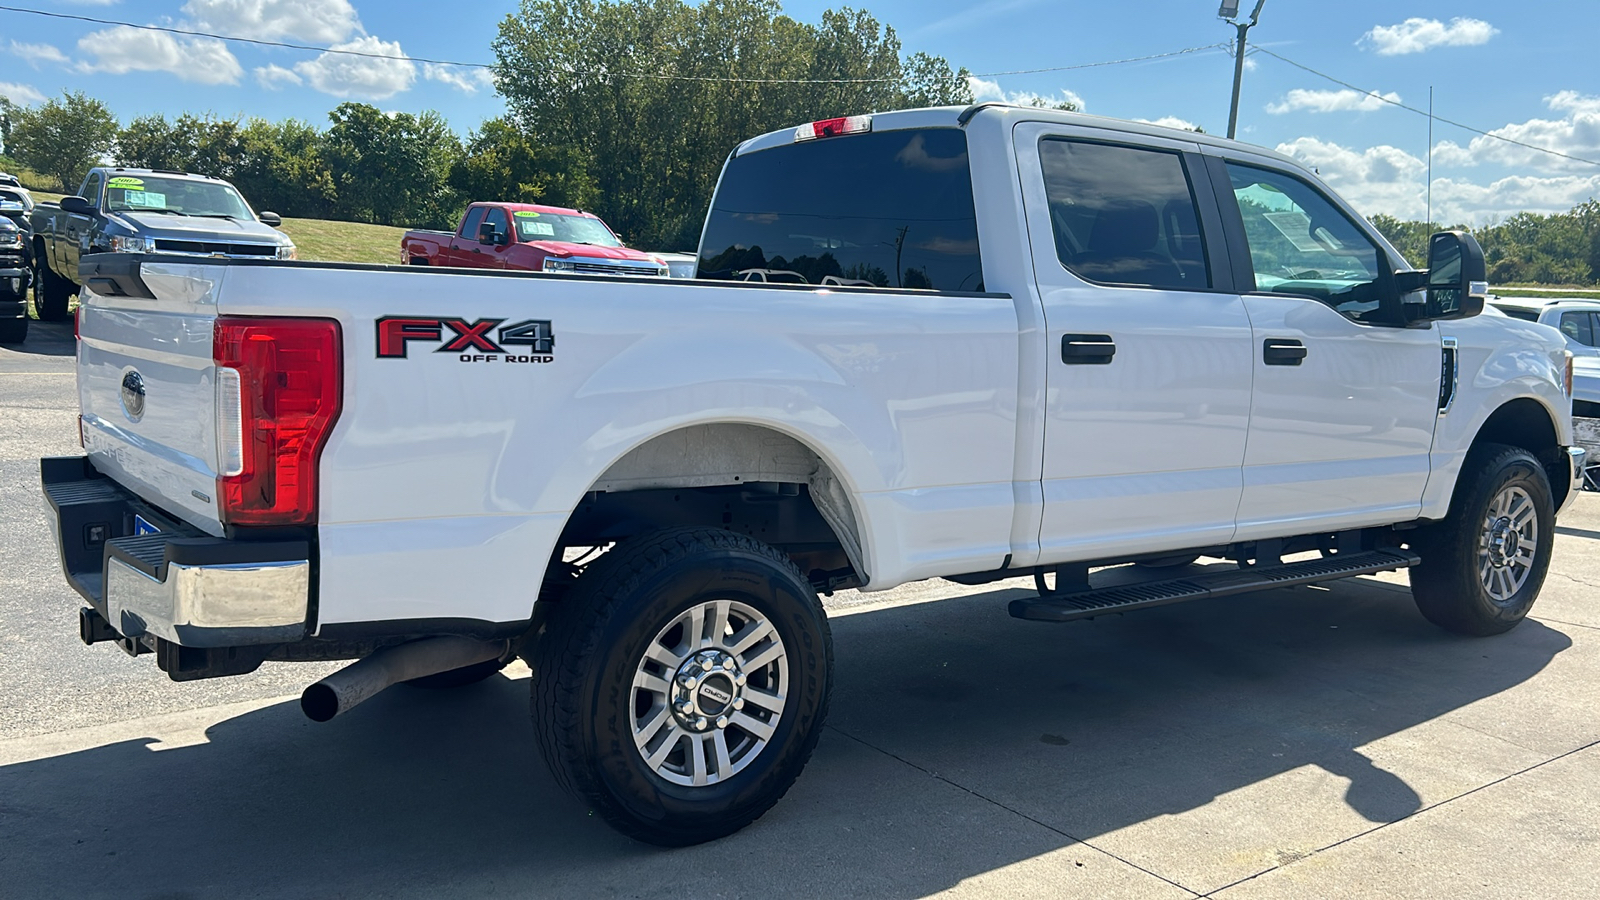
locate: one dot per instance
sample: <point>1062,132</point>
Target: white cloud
<point>1172,122</point>
<point>1331,101</point>
<point>38,53</point>
<point>1388,180</point>
<point>361,78</point>
<point>275,78</point>
<point>983,90</point>
<point>20,93</point>
<point>462,79</point>
<point>321,21</point>
<point>1575,134</point>
<point>122,49</point>
<point>1417,35</point>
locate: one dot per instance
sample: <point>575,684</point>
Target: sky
<point>1524,71</point>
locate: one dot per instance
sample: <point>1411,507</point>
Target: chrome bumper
<point>1576,457</point>
<point>177,584</point>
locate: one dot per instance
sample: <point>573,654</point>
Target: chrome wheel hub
<point>1507,545</point>
<point>708,693</point>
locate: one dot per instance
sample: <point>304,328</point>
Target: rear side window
<point>1576,326</point>
<point>1124,215</point>
<point>469,228</point>
<point>886,209</point>
<point>1517,312</point>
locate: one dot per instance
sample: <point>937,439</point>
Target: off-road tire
<point>1448,585</point>
<point>585,657</point>
<point>13,331</point>
<point>52,294</point>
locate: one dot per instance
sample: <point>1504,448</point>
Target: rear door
<point>1149,348</point>
<point>1346,397</point>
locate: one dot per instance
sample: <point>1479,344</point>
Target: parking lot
<point>1307,742</point>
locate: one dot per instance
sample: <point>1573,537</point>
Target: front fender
<point>1500,360</point>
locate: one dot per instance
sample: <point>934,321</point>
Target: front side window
<point>1124,215</point>
<point>496,218</point>
<point>469,225</point>
<point>91,189</point>
<point>885,209</point>
<point>1301,244</point>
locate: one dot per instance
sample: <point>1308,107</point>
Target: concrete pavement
<point>1310,742</point>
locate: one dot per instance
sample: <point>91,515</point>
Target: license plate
<point>141,527</point>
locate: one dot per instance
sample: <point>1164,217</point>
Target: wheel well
<point>745,478</point>
<point>1527,424</point>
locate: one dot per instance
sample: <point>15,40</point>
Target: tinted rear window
<point>889,209</point>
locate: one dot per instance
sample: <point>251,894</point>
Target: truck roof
<point>170,173</point>
<point>959,116</point>
<point>534,207</point>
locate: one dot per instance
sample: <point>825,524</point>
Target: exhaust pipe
<point>364,678</point>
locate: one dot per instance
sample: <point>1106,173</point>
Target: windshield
<point>152,193</point>
<point>543,226</point>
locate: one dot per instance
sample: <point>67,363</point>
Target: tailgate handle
<point>1087,349</point>
<point>1282,352</point>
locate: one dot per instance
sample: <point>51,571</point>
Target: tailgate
<point>146,381</point>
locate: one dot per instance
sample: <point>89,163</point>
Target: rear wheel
<point>680,686</point>
<point>1482,567</point>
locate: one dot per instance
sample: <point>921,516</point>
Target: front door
<point>1346,397</point>
<point>1149,350</point>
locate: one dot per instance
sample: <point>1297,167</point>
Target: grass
<point>1545,292</point>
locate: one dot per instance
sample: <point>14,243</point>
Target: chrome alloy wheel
<point>1507,546</point>
<point>708,693</point>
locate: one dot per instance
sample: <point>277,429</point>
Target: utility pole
<point>1230,11</point>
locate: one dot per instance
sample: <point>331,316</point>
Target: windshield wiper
<point>212,215</point>
<point>132,209</point>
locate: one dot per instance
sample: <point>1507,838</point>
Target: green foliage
<point>1527,248</point>
<point>652,136</point>
<point>392,167</point>
<point>62,138</point>
<point>502,163</point>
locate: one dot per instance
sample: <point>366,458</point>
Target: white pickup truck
<point>1086,343</point>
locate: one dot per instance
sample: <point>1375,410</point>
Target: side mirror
<point>270,218</point>
<point>1458,278</point>
<point>487,233</point>
<point>76,205</point>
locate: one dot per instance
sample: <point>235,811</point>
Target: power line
<point>1377,96</point>
<point>187,32</point>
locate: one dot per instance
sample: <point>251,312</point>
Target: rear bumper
<point>176,585</point>
<point>13,288</point>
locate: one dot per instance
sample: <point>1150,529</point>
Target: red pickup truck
<point>529,237</point>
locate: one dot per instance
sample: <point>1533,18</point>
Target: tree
<point>281,167</point>
<point>394,168</point>
<point>503,163</point>
<point>63,138</point>
<point>652,95</point>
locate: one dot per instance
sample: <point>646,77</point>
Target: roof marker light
<point>833,128</point>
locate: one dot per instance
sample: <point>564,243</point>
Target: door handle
<point>1087,349</point>
<point>1282,352</point>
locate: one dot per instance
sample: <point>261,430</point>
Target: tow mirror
<point>1458,279</point>
<point>77,205</point>
<point>270,218</point>
<point>1455,284</point>
<point>487,233</point>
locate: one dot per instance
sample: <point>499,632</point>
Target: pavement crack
<point>1382,825</point>
<point>1016,812</point>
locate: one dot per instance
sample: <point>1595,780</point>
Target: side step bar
<point>1122,598</point>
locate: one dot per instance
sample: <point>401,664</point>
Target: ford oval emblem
<point>133,395</point>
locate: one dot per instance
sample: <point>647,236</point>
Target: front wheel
<point>681,685</point>
<point>52,294</point>
<point>1483,565</point>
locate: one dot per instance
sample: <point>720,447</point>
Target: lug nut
<point>727,663</point>
<point>738,703</point>
<point>682,706</point>
<point>700,722</point>
<point>740,679</point>
<point>689,681</point>
<point>722,721</point>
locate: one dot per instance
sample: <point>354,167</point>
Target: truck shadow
<point>47,339</point>
<point>948,718</point>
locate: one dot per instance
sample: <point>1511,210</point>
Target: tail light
<point>279,383</point>
<point>824,128</point>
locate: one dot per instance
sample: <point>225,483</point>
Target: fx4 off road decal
<point>483,340</point>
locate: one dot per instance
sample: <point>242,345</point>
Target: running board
<point>1100,601</point>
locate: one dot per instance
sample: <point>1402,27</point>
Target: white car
<point>1578,320</point>
<point>1117,343</point>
